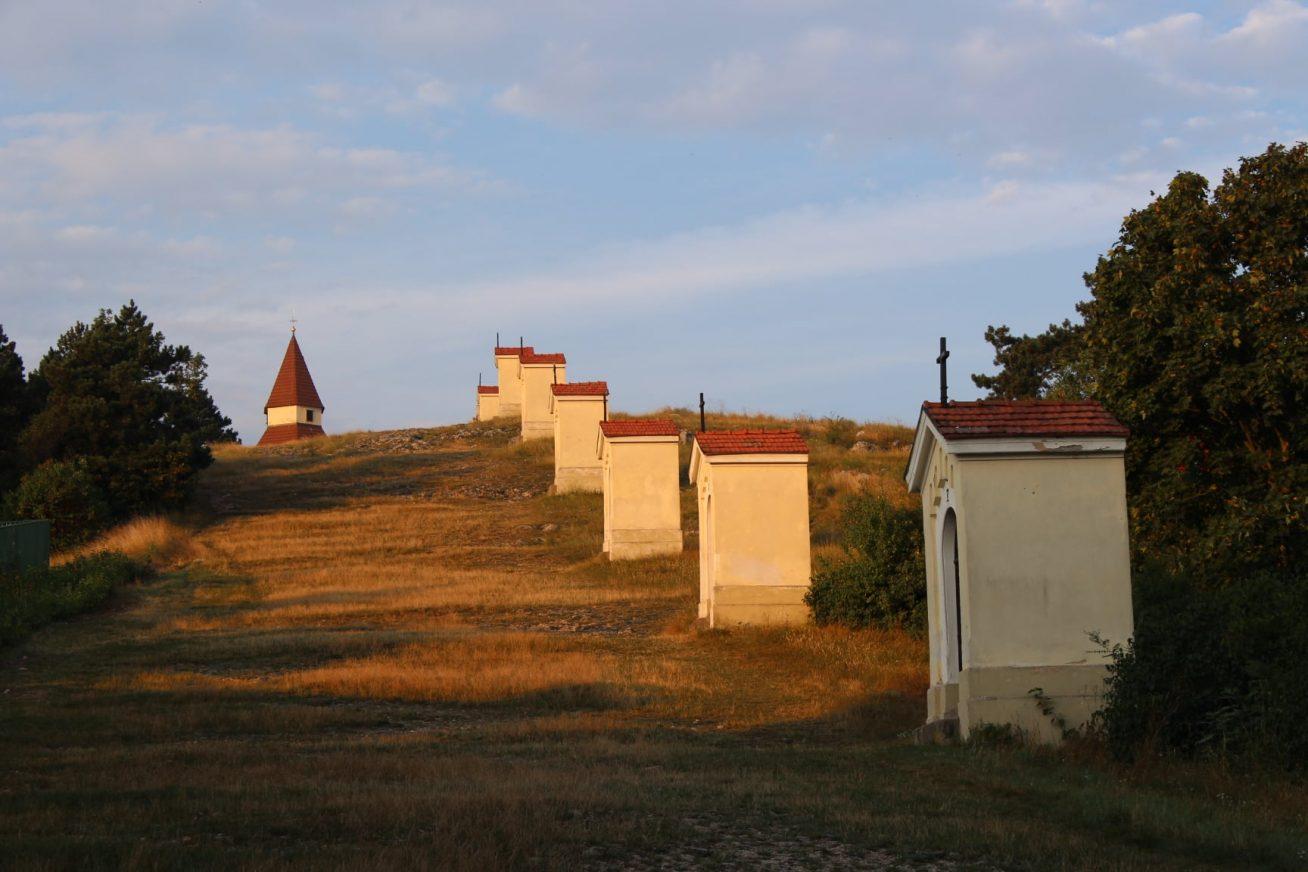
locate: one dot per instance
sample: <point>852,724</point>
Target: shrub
<point>65,494</point>
<point>841,432</point>
<point>1213,672</point>
<point>36,597</point>
<point>882,581</point>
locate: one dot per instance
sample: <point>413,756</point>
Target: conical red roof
<point>294,385</point>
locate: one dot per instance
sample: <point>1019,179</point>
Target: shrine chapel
<point>293,410</point>
<point>1027,555</point>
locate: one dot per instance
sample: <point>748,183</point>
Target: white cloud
<point>434,92</point>
<point>208,168</point>
<point>817,244</point>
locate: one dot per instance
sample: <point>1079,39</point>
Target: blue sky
<point>781,203</point>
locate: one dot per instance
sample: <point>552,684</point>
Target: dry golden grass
<point>163,542</point>
<point>395,651</point>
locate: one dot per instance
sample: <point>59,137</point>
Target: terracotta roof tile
<point>751,442</point>
<point>581,389</point>
<point>530,356</point>
<point>294,385</point>
<point>488,389</point>
<point>639,427</point>
<point>981,419</point>
<point>512,350</point>
<point>280,433</point>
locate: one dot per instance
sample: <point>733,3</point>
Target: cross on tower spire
<point>294,321</point>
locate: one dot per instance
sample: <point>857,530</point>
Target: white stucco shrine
<point>642,490</point>
<point>577,409</point>
<point>754,558</point>
<point>488,402</point>
<point>536,373</point>
<point>1027,554</point>
<point>508,378</point>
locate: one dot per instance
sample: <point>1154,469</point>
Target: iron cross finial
<point>944,381</point>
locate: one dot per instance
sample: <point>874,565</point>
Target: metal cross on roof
<point>944,382</point>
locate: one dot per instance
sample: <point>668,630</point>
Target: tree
<point>65,494</point>
<point>1050,364</point>
<point>15,409</point>
<point>1196,337</point>
<point>135,409</point>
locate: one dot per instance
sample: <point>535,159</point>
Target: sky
<point>781,203</point>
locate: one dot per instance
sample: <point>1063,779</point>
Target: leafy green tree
<point>1050,364</point>
<point>15,409</point>
<point>134,408</point>
<point>65,494</point>
<point>1196,337</point>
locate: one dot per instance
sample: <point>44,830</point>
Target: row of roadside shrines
<point>1023,510</point>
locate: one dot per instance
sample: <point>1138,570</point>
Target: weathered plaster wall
<point>536,414</point>
<point>642,498</point>
<point>293,415</point>
<point>488,406</point>
<point>576,427</point>
<point>754,539</point>
<point>509,380</point>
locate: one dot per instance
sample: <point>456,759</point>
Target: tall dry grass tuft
<point>159,541</point>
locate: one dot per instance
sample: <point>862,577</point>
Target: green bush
<point>1213,672</point>
<point>882,581</point>
<point>65,494</point>
<point>841,432</point>
<point>38,596</point>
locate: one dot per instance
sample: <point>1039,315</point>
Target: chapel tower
<point>293,410</point>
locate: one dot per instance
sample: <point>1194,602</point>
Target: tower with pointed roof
<point>294,410</point>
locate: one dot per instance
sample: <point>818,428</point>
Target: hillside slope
<point>394,650</point>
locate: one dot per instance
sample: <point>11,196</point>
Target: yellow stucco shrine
<point>488,402</point>
<point>754,561</point>
<point>536,373</point>
<point>1027,553</point>
<point>509,379</point>
<point>642,493</point>
<point>578,409</point>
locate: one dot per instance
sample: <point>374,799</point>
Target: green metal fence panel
<point>24,544</point>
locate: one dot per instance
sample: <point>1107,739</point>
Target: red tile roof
<point>294,385</point>
<point>488,389</point>
<point>501,350</point>
<point>581,389</point>
<point>530,356</point>
<point>639,427</point>
<point>981,419</point>
<point>751,442</point>
<point>280,433</point>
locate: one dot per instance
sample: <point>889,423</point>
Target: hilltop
<point>397,650</point>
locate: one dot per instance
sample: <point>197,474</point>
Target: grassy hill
<point>394,650</point>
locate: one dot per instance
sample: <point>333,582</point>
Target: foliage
<point>31,599</point>
<point>1050,364</point>
<point>841,432</point>
<point>1194,337</point>
<point>15,409</point>
<point>881,581</point>
<point>1215,672</point>
<point>64,493</point>
<point>135,409</point>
